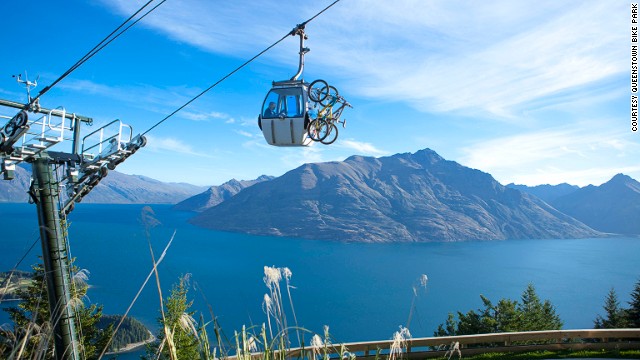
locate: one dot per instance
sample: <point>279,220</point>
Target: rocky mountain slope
<point>404,197</point>
<point>16,190</point>
<point>217,194</point>
<point>612,207</point>
<point>547,192</point>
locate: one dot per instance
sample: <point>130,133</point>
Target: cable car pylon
<point>56,260</point>
<point>59,180</point>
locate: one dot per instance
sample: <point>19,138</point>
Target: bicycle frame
<point>327,113</point>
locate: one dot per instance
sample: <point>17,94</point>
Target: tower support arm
<point>42,110</point>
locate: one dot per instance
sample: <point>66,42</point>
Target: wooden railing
<point>589,339</point>
<point>509,342</point>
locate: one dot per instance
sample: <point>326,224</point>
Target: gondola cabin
<point>284,116</point>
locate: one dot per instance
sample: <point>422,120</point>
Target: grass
<point>564,354</point>
<point>11,283</point>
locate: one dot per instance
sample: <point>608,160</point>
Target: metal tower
<point>37,135</point>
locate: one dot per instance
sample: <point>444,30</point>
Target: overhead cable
<point>238,68</point>
<point>101,45</point>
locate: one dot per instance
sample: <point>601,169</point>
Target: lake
<point>362,291</point>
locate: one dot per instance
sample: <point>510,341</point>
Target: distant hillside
<point>16,189</point>
<point>404,197</point>
<point>116,188</point>
<point>547,193</point>
<point>131,331</point>
<point>217,194</point>
<point>612,207</point>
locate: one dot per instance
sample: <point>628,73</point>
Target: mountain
<point>116,188</point>
<point>404,197</point>
<point>217,194</point>
<point>547,193</point>
<point>16,190</point>
<point>119,188</point>
<point>612,207</point>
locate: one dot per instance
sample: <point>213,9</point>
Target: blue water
<point>362,291</point>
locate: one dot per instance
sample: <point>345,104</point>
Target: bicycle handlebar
<point>341,99</point>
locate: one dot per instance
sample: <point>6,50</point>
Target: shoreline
<point>134,346</point>
<point>10,300</point>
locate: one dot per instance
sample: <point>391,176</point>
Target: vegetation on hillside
<point>528,314</point>
<point>11,282</point>
<point>131,331</point>
<point>616,316</point>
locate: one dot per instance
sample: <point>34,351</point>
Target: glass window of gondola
<point>286,102</point>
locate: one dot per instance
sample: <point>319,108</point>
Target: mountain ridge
<point>403,197</point>
<point>546,192</point>
<point>217,194</point>
<point>115,188</point>
<point>613,207</point>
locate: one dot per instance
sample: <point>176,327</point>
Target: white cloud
<point>298,156</point>
<point>141,95</point>
<point>246,134</point>
<point>162,144</point>
<point>515,151</point>
<point>475,60</point>
<point>219,27</point>
<point>361,148</point>
<point>207,116</point>
<point>554,155</point>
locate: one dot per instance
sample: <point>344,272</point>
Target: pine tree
<point>616,316</point>
<point>633,313</point>
<point>536,315</point>
<point>178,321</point>
<point>507,315</point>
<point>450,328</point>
<point>472,323</point>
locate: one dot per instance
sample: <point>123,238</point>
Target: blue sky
<point>530,92</point>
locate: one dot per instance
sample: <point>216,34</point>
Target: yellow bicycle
<point>323,128</point>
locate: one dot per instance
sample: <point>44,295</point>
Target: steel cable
<point>101,45</point>
<point>238,68</point>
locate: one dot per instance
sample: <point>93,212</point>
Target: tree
<point>177,327</point>
<point>32,324</point>
<point>616,316</point>
<point>536,315</point>
<point>507,315</point>
<point>449,328</point>
<point>503,316</point>
<point>633,313</point>
<point>472,323</point>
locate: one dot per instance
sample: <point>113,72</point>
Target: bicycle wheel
<point>331,97</point>
<point>318,129</point>
<point>318,90</point>
<point>332,134</point>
